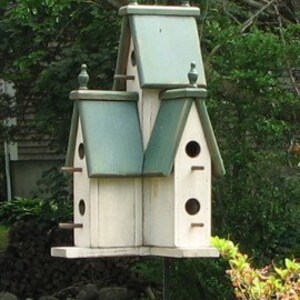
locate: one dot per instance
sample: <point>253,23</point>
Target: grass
<point>3,237</point>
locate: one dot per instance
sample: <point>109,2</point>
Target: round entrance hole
<point>133,59</point>
<point>81,151</point>
<point>192,149</point>
<point>81,207</point>
<point>192,206</point>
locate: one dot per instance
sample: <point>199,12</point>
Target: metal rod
<point>71,169</point>
<point>197,168</point>
<point>197,225</point>
<point>7,172</point>
<point>69,225</point>
<point>124,77</point>
<point>166,278</point>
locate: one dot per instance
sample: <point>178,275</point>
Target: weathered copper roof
<point>168,129</point>
<point>111,133</point>
<point>165,40</point>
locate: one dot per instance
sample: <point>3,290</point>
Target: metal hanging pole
<point>166,278</point>
<point>7,172</point>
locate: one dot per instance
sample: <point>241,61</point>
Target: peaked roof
<point>166,134</point>
<point>165,137</point>
<point>164,39</point>
<point>111,132</point>
<point>112,136</point>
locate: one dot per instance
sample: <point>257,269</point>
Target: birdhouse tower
<point>143,154</point>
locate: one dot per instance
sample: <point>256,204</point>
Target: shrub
<point>249,283</point>
<point>21,209</point>
<point>3,237</point>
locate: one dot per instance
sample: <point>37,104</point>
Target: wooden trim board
<point>77,252</point>
<point>159,10</point>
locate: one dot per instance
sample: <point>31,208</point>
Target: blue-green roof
<point>164,48</point>
<point>217,161</point>
<point>166,41</point>
<point>166,134</point>
<point>111,136</point>
<point>165,137</point>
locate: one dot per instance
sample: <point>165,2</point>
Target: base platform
<point>78,252</point>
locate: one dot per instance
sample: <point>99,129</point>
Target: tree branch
<point>253,3</point>
<point>292,78</point>
<point>224,6</point>
<point>114,3</point>
<point>249,22</point>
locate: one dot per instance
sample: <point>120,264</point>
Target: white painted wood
<point>77,252</point>
<point>184,252</point>
<point>81,192</point>
<point>132,85</point>
<point>192,184</point>
<point>136,184</point>
<point>94,208</point>
<point>118,213</point>
<point>148,104</point>
<point>145,216</point>
<point>166,221</point>
<point>113,216</point>
<point>159,211</point>
<point>138,211</point>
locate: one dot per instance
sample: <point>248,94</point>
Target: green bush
<point>3,237</point>
<point>249,283</point>
<point>21,209</point>
<point>53,188</point>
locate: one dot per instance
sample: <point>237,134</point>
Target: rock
<point>28,270</point>
<point>47,298</point>
<point>7,296</point>
<point>89,292</point>
<point>116,293</point>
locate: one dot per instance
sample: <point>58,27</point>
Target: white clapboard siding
<point>192,184</point>
<point>81,193</point>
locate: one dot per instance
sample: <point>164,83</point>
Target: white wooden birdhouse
<point>143,154</point>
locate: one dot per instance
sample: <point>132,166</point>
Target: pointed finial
<point>83,77</point>
<point>193,75</point>
<point>185,3</point>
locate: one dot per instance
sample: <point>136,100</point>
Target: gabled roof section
<point>111,132</point>
<point>217,162</point>
<point>72,136</point>
<point>165,137</point>
<point>165,40</point>
<point>168,129</point>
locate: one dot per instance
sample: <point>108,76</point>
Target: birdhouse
<point>144,153</point>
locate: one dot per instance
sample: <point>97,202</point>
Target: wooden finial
<point>193,75</point>
<point>83,77</point>
<point>185,3</point>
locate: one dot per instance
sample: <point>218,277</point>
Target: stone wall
<point>28,270</point>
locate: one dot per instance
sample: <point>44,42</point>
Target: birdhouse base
<point>78,252</point>
<point>184,252</point>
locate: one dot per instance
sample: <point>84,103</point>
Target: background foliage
<point>252,59</point>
